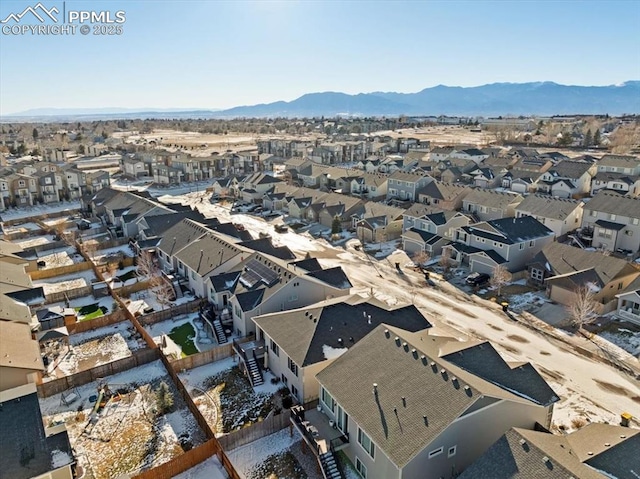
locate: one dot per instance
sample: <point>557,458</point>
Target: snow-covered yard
<point>60,257</point>
<point>21,228</point>
<point>67,282</point>
<point>39,210</point>
<point>276,455</point>
<point>123,250</point>
<point>97,347</point>
<point>209,469</point>
<point>130,433</point>
<point>144,300</point>
<point>34,241</point>
<point>225,397</point>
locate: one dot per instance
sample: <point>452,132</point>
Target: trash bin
<point>625,419</point>
<point>505,306</point>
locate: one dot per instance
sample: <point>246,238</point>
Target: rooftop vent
<point>404,401</point>
<point>607,444</point>
<point>375,388</point>
<point>545,459</point>
<point>522,442</point>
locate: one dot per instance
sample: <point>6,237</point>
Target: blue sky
<point>216,54</point>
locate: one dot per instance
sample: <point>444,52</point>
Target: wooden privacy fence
<point>59,385</point>
<point>181,463</point>
<point>117,316</point>
<point>68,294</point>
<point>256,431</point>
<point>200,359</point>
<point>59,271</point>
<point>128,290</point>
<point>159,316</point>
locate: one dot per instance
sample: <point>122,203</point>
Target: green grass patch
<point>91,311</point>
<point>183,336</point>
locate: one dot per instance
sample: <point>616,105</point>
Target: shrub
<point>164,398</point>
<point>578,422</point>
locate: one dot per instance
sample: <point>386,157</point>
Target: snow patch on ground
<point>59,459</point>
<point>247,457</point>
<point>67,282</point>
<point>209,469</point>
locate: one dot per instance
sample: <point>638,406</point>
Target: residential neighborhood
<point>383,307</point>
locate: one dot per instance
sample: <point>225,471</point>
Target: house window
<point>612,217</point>
<point>237,312</point>
<point>294,391</point>
<point>537,274</point>
<point>193,275</point>
<point>435,452</point>
<point>275,348</point>
<point>20,183</point>
<point>327,399</point>
<point>452,451</point>
<point>594,213</point>
<point>366,443</point>
<point>531,244</point>
<point>634,221</point>
<point>362,470</point>
<point>605,233</point>
<point>285,380</point>
<point>521,246</point>
<point>293,367</point>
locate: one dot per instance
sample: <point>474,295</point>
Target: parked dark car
<point>476,279</point>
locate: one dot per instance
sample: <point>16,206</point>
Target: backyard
<point>137,427</point>
<point>100,346</point>
<point>225,396</point>
<point>90,311</point>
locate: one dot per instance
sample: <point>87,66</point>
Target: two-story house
<point>614,221</point>
<point>324,331</point>
<point>445,196</point>
<point>267,285</point>
<point>405,402</point>
<point>510,242</point>
<point>560,215</point>
<point>490,205</point>
<point>377,222</point>
<point>562,268</point>
<point>372,186</point>
<point>430,232</point>
<point>405,186</point>
<point>567,179</point>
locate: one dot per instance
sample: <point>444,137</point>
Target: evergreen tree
<point>596,138</point>
<point>336,226</point>
<point>588,139</point>
<point>164,398</point>
<point>35,133</point>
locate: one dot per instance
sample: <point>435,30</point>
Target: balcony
<point>324,440</point>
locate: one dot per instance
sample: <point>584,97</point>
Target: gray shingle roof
<point>558,258</point>
<point>327,322</point>
<point>510,230</point>
<point>519,454</point>
<point>571,169</point>
<point>406,365</point>
<point>593,452</point>
<point>625,161</point>
<point>400,431</point>
<point>612,203</point>
<point>180,235</point>
<point>492,199</point>
<point>548,206</point>
<point>485,362</point>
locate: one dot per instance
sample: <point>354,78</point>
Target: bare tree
<point>163,291</point>
<point>147,267</point>
<point>501,276</point>
<point>445,260</point>
<point>421,258</point>
<point>583,308</point>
